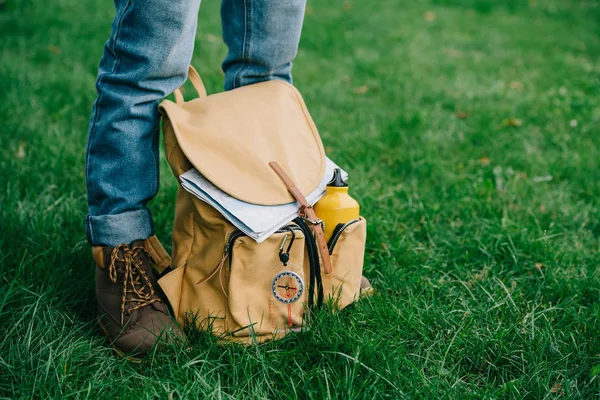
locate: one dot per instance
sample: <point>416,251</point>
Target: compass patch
<point>287,287</point>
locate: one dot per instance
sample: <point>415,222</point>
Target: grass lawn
<point>471,132</point>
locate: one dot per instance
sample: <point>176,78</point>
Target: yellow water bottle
<point>336,207</point>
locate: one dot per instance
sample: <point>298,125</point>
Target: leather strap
<point>306,211</point>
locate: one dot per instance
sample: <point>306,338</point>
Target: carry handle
<point>194,77</point>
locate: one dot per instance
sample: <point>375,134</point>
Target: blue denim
<point>145,59</point>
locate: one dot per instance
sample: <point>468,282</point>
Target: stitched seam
<point>191,216</point>
<point>156,151</point>
<point>89,229</point>
<point>98,81</point>
<point>107,314</point>
<point>245,43</point>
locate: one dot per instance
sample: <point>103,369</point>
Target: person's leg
<point>262,37</point>
<point>145,58</point>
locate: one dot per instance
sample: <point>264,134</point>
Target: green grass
<point>483,238</point>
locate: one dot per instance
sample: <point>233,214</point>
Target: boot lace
<point>137,288</point>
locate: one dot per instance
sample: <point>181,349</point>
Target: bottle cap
<point>337,180</point>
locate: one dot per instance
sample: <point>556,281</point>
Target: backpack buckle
<point>318,221</point>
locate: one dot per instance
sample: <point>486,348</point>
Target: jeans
<point>145,59</point>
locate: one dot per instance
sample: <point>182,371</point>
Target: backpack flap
<point>231,137</point>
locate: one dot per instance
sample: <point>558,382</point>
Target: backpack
<point>221,280</point>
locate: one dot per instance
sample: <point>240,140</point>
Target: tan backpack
<point>222,280</point>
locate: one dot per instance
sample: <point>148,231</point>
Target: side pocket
<point>264,295</point>
<point>347,248</point>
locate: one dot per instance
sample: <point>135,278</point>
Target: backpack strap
<point>316,281</point>
<point>194,77</point>
<point>307,213</point>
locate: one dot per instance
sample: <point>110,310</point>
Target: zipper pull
<point>217,268</point>
<point>284,257</point>
<point>283,244</point>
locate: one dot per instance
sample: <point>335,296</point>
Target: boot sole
<point>119,352</point>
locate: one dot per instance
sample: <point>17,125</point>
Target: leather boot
<point>130,310</point>
<point>366,290</point>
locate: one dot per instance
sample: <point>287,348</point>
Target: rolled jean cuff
<point>112,230</point>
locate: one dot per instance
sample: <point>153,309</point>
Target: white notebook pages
<point>256,221</point>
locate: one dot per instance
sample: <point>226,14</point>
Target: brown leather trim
<point>321,242</point>
<point>98,256</point>
<point>157,253</point>
<point>307,211</point>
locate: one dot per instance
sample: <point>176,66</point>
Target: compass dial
<point>287,287</point>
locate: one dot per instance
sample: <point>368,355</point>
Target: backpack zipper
<point>228,250</point>
<point>337,232</point>
<point>238,234</point>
